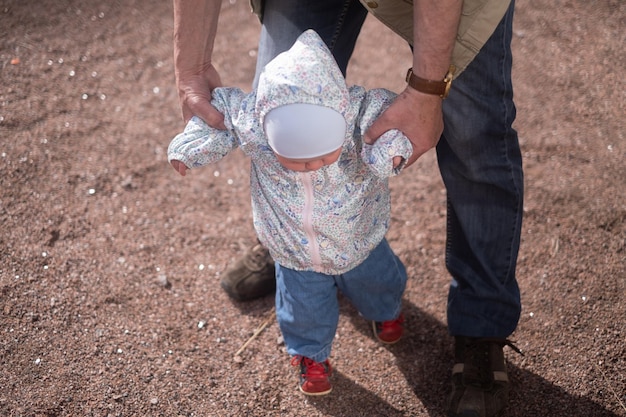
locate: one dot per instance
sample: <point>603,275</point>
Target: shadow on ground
<point>425,357</point>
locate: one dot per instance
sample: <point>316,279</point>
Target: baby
<point>320,196</point>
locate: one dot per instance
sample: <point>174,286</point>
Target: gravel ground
<point>109,262</point>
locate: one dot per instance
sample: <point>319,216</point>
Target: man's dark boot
<point>252,276</point>
<point>480,382</point>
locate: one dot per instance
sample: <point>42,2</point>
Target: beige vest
<point>478,21</point>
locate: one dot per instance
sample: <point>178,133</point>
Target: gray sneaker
<point>250,277</point>
<point>480,382</point>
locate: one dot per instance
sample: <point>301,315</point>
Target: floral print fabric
<point>326,220</point>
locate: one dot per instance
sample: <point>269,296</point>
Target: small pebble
<point>162,279</point>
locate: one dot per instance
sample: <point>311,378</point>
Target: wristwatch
<point>439,88</point>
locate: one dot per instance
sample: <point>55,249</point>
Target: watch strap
<point>438,88</point>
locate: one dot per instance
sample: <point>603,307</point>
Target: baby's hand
<point>179,167</point>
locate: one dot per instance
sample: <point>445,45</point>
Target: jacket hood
<point>306,73</point>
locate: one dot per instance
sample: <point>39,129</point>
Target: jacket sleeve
<point>379,156</point>
<point>200,144</point>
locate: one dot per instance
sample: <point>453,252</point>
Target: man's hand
<point>195,26</point>
<point>419,116</point>
<point>194,93</point>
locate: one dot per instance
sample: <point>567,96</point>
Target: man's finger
<point>375,130</point>
<point>204,110</point>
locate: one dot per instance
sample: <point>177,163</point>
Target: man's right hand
<point>195,27</point>
<point>194,93</point>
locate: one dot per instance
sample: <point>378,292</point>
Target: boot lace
<point>257,258</point>
<point>478,370</point>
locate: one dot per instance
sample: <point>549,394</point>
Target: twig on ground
<point>257,332</point>
<point>608,384</point>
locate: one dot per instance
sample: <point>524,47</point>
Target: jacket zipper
<point>307,220</point>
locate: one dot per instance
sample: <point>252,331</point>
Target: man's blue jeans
<point>478,154</point>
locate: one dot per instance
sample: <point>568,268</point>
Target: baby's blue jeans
<point>307,307</point>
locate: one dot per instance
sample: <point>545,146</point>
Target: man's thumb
<point>375,131</point>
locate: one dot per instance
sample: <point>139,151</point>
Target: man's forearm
<point>435,25</point>
<point>195,26</point>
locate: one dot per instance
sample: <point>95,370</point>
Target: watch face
<point>448,81</point>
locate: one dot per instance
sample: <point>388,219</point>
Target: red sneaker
<point>389,332</point>
<point>314,376</point>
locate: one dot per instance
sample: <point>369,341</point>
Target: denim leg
<point>481,166</point>
<point>376,286</point>
<point>307,311</point>
<point>338,22</point>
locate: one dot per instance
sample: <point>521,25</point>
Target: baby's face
<point>310,164</point>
